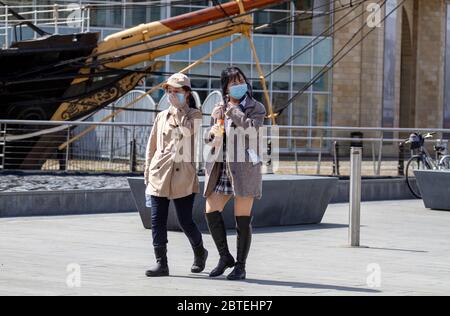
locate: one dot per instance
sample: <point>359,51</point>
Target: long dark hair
<point>231,74</point>
<point>190,100</point>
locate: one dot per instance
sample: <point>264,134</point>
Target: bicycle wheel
<point>415,163</point>
<point>445,163</point>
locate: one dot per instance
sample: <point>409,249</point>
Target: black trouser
<point>160,213</point>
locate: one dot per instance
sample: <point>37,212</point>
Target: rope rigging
<point>335,59</point>
<point>319,38</point>
<point>96,62</point>
<point>330,31</point>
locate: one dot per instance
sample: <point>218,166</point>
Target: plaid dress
<point>224,185</point>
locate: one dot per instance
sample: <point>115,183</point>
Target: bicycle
<point>423,160</point>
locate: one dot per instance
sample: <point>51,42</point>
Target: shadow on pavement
<point>295,285</point>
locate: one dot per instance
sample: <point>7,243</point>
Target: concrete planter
<point>375,190</point>
<point>47,203</point>
<point>435,188</point>
<point>287,200</point>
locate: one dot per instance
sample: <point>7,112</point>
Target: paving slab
<point>408,254</point>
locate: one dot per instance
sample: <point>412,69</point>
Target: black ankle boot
<point>200,257</point>
<point>244,240</point>
<point>161,268</point>
<point>219,234</point>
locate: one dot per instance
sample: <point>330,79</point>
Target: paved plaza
<point>408,254</point>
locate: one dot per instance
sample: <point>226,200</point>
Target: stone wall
<point>358,78</point>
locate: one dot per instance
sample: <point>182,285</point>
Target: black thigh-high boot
<point>244,240</point>
<point>218,232</point>
<point>161,268</point>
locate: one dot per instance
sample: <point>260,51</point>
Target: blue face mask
<point>237,92</point>
<point>181,98</point>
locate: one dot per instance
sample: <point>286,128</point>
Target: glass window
<point>320,117</point>
<point>303,24</point>
<point>263,46</point>
<point>177,67</point>
<point>216,71</point>
<point>320,111</point>
<point>303,5</point>
<point>279,100</point>
<point>179,10</point>
<point>282,49</point>
<point>323,52</point>
<point>138,14</point>
<point>323,83</point>
<point>202,94</point>
<point>181,55</point>
<point>256,82</point>
<point>309,5</point>
<point>200,51</point>
<point>246,69</point>
<point>321,25</point>
<point>302,76</point>
<point>300,117</point>
<point>224,55</point>
<point>267,17</point>
<point>242,52</point>
<point>305,57</point>
<point>312,17</point>
<point>300,114</point>
<point>107,16</point>
<point>197,81</point>
<point>282,79</point>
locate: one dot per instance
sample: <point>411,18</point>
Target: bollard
<point>355,196</point>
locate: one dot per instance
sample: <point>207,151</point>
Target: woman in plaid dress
<point>227,178</point>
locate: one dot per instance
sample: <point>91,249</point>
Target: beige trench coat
<point>246,177</point>
<point>165,175</point>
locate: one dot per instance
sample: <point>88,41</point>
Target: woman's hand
<point>218,113</point>
<point>216,131</point>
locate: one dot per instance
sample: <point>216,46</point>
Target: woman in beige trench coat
<point>170,175</point>
<point>227,178</point>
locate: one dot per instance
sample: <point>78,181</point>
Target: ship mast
<point>147,42</point>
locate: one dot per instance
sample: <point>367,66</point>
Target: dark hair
<point>230,74</point>
<point>190,100</point>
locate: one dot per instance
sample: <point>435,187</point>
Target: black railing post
<point>401,159</point>
<point>336,163</point>
<point>133,156</point>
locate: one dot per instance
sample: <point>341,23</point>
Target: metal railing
<point>50,17</point>
<point>111,147</point>
<point>384,148</point>
<point>120,147</point>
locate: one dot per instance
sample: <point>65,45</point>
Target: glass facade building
<point>275,45</point>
